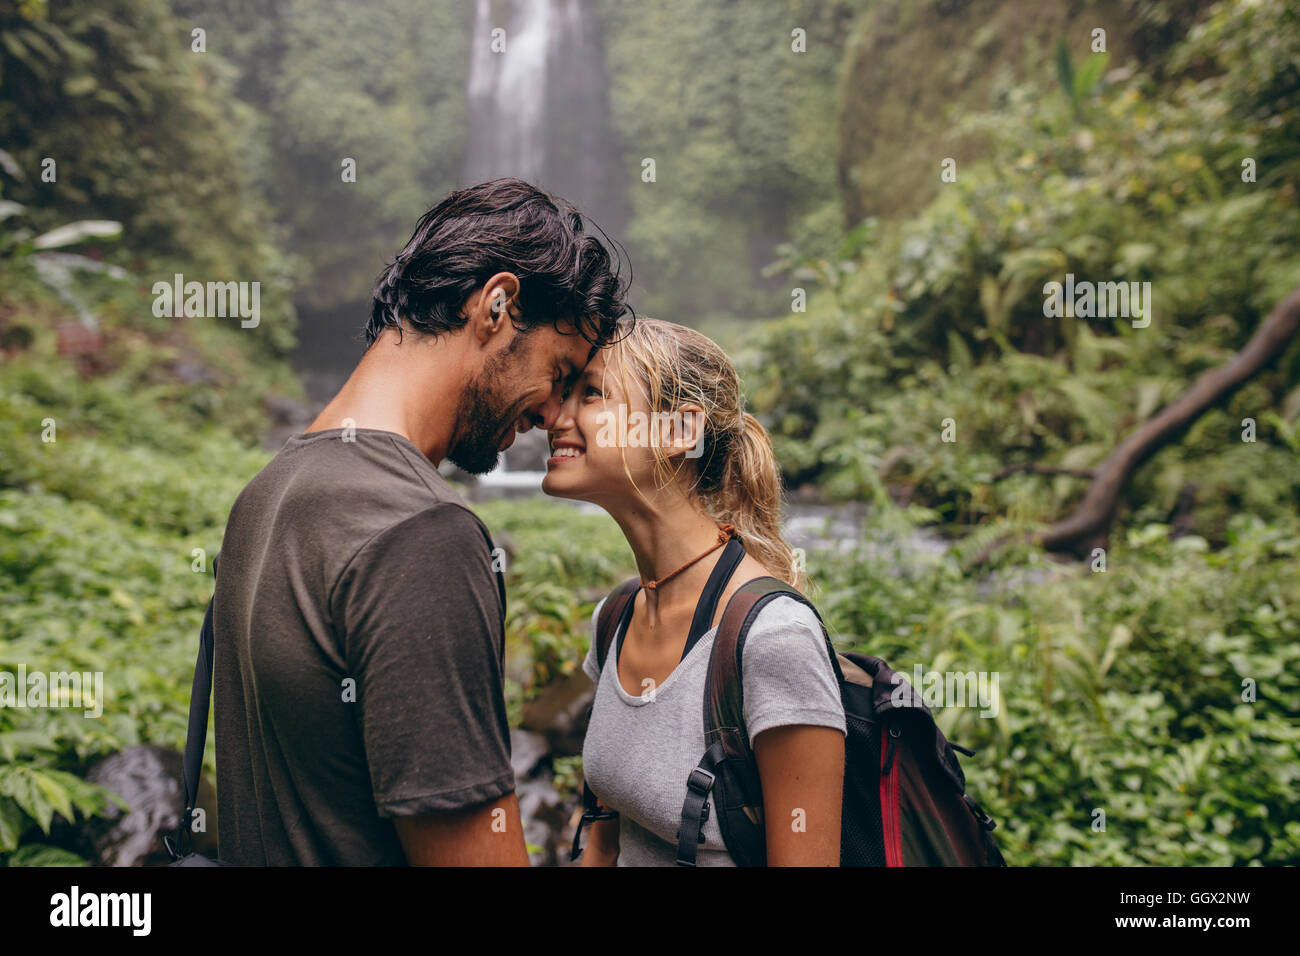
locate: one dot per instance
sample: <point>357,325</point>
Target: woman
<point>653,432</point>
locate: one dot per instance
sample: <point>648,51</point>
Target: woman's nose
<point>564,416</point>
<point>543,416</point>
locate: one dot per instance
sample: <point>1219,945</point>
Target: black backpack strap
<point>196,734</point>
<point>732,772</point>
<point>591,811</point>
<point>695,810</point>
<point>707,605</point>
<point>617,606</point>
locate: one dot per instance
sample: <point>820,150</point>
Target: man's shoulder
<point>359,487</point>
<point>448,528</point>
<point>436,563</point>
<point>443,546</point>
<point>322,500</point>
<point>337,463</point>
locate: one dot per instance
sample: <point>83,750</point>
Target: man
<point>360,716</point>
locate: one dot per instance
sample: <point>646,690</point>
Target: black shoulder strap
<point>707,605</point>
<point>610,619</point>
<point>616,608</point>
<point>196,734</point>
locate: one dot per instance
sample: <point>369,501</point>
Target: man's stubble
<point>484,415</point>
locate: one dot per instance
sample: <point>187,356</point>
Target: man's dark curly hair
<point>503,225</point>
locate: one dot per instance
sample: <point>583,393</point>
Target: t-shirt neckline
<point>640,701</point>
<point>302,438</point>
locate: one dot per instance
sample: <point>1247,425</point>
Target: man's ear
<point>682,432</point>
<point>493,307</point>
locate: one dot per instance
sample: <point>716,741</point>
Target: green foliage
<point>1123,690</point>
<point>568,776</point>
<point>111,475</point>
<point>563,562</point>
<point>383,85</point>
<point>913,68</point>
<point>1077,85</point>
<point>117,81</point>
<point>83,590</point>
<point>1148,188</point>
<point>738,125</point>
<point>1251,52</point>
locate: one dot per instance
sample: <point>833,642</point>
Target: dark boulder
<point>148,778</point>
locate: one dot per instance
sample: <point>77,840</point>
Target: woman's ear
<point>682,432</point>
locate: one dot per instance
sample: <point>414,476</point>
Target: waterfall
<point>539,109</point>
<point>507,92</point>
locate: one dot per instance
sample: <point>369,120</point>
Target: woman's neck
<point>664,535</point>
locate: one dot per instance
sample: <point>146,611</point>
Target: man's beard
<point>485,417</point>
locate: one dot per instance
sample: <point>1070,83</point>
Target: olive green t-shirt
<point>358,666</point>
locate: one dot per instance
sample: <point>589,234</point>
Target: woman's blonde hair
<point>736,473</point>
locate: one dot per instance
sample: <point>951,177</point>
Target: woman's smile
<point>564,451</point>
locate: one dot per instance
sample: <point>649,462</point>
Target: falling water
<point>539,106</point>
<point>539,110</point>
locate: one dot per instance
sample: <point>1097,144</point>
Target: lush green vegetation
<point>895,45</point>
<point>1124,691</point>
<point>741,140</point>
<point>559,564</point>
<point>941,316</point>
<point>98,533</point>
<point>141,131</point>
<point>321,82</point>
<point>1162,691</point>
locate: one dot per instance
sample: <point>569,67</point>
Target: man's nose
<point>544,415</point>
<point>559,413</point>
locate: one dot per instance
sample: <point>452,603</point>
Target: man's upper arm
<point>420,616</point>
<point>487,835</point>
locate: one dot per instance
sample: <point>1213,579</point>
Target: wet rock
<point>527,751</point>
<point>83,344</point>
<point>148,778</point>
<point>546,813</point>
<point>560,712</point>
<point>193,373</point>
<point>288,411</point>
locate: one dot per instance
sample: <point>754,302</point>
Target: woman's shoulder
<point>787,671</point>
<point>786,611</point>
<point>792,602</point>
<point>785,631</point>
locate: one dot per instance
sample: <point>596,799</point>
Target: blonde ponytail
<point>736,476</point>
<point>749,497</point>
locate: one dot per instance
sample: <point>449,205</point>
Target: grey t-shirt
<point>640,750</point>
<point>358,668</point>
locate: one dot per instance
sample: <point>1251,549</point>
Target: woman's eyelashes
<point>588,392</point>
